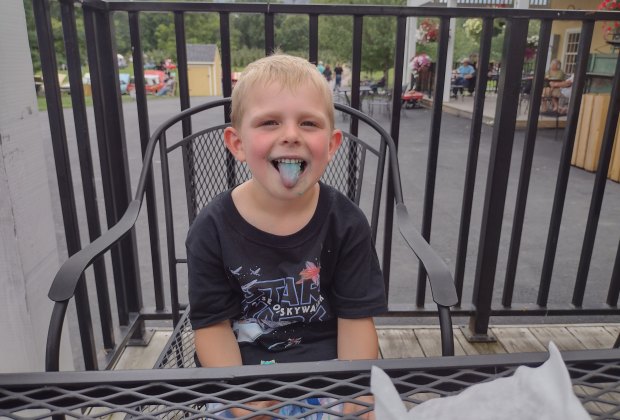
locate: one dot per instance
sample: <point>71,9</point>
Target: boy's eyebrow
<point>262,114</point>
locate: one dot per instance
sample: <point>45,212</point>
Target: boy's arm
<point>216,346</point>
<point>357,339</point>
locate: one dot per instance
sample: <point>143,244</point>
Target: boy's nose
<point>290,133</point>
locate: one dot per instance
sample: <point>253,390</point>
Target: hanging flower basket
<point>428,31</point>
<point>420,62</point>
<point>611,30</point>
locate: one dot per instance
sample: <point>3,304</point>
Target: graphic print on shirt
<point>269,304</point>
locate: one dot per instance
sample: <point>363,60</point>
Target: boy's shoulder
<point>340,205</point>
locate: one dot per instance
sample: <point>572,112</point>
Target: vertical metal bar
<point>113,156</point>
<point>179,31</point>
<point>614,284</point>
<point>172,267</point>
<point>186,124</point>
<point>313,39</point>
<point>270,37</point>
<point>49,68</point>
<point>74,64</point>
<point>526,161</point>
<point>498,173</point>
<point>179,26</point>
<point>227,84</point>
<point>99,109</point>
<point>401,30</point>
<point>433,148</point>
<point>151,197</point>
<point>472,155</point>
<point>572,119</point>
<point>598,191</point>
<point>356,69</point>
<point>226,60</point>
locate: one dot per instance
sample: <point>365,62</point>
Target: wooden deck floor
<point>423,341</point>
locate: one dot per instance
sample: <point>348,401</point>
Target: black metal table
<point>176,393</point>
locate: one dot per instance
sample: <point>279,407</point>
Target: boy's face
<point>285,137</point>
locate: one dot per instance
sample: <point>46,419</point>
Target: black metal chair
<point>358,170</point>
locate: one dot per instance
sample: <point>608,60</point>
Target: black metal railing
<point>114,165</point>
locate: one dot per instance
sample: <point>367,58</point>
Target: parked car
<point>154,80</point>
<point>125,82</point>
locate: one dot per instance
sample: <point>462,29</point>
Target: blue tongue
<point>289,173</point>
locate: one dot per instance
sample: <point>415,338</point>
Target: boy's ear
<point>233,143</point>
<point>334,143</point>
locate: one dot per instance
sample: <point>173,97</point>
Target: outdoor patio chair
<point>360,169</point>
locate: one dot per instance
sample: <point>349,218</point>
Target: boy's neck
<point>278,217</point>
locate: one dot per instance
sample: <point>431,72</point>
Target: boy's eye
<point>309,124</point>
<point>268,122</point>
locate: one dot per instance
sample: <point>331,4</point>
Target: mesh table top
<point>189,393</point>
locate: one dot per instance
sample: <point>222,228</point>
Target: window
<point>571,42</point>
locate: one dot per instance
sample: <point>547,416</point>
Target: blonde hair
<point>288,72</point>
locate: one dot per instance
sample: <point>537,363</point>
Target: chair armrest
<point>440,278</point>
<point>66,280</point>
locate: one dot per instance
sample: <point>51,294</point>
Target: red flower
<point>609,5</point>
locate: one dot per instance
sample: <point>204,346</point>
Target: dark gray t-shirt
<point>283,293</point>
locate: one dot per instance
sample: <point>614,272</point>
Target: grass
<point>66,100</point>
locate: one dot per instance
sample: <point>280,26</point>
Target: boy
<point>282,267</point>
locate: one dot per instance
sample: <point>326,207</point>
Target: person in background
<point>552,93</point>
<point>282,268</point>
<point>168,88</point>
<point>380,84</point>
<point>327,73</point>
<point>320,67</point>
<point>464,77</point>
<point>338,76</point>
<point>566,89</point>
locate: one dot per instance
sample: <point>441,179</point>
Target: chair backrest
<point>357,170</point>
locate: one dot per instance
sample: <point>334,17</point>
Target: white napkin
<point>542,393</point>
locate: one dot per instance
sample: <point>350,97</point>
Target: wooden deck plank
<point>613,330</point>
<point>398,343</point>
<point>478,348</point>
<point>517,339</point>
<point>430,341</point>
<point>560,336</point>
<point>593,337</point>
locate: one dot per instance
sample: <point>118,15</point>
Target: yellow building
<point>204,70</point>
<point>565,35</point>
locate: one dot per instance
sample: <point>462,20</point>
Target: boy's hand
<point>260,405</point>
<point>350,408</point>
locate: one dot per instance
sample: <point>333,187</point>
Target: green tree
<point>336,39</point>
<point>248,30</point>
<point>378,38</point>
<point>292,33</point>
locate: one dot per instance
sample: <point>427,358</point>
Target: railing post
<point>145,132</point>
<point>497,177</point>
<point>113,157</point>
